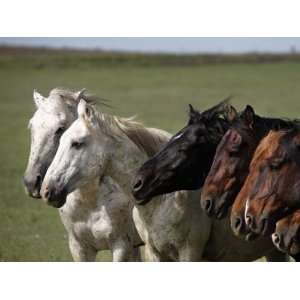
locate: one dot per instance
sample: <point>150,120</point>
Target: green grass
<point>31,231</point>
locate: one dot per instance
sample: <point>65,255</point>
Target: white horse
<point>174,228</point>
<point>94,222</point>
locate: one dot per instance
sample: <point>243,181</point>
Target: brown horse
<point>238,223</point>
<point>287,234</point>
<point>231,164</point>
<point>276,181</point>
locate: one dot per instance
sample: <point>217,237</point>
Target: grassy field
<point>158,93</point>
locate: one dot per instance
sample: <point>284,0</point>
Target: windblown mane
<point>71,95</point>
<point>148,140</point>
<point>278,123</point>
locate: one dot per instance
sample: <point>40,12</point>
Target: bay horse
<point>275,190</point>
<point>102,223</point>
<point>230,166</point>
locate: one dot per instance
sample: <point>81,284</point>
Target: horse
<point>272,200</point>
<point>287,234</point>
<point>275,190</point>
<point>102,223</point>
<point>174,226</point>
<point>230,166</point>
<point>183,163</point>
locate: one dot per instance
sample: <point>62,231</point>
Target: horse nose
<point>47,193</point>
<point>138,185</point>
<point>237,223</point>
<point>276,239</point>
<point>207,205</point>
<point>249,220</point>
<point>263,223</point>
<point>33,185</point>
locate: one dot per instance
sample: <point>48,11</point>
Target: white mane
<point>71,95</point>
<point>148,140</point>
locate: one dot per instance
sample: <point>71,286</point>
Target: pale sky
<point>174,45</point>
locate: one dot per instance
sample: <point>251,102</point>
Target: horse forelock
<point>71,95</point>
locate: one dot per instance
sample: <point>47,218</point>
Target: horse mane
<point>279,123</point>
<point>148,140</point>
<point>71,95</point>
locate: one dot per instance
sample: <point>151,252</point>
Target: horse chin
<point>58,200</point>
<point>58,203</point>
<point>143,196</point>
<point>294,248</point>
<point>143,201</point>
<point>34,194</point>
<point>251,236</point>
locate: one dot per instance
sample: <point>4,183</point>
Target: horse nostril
<point>237,223</point>
<point>138,185</point>
<point>249,220</point>
<point>47,193</point>
<point>207,205</point>
<point>264,224</point>
<point>276,238</point>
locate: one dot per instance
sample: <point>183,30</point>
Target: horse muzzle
<point>54,196</point>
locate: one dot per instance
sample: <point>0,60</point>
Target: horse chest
<point>92,227</point>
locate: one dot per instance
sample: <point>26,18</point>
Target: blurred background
<point>154,78</point>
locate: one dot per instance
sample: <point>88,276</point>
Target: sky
<point>173,45</point>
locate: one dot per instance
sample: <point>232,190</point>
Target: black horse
<point>183,163</point>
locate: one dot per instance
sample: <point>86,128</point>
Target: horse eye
<point>77,145</point>
<point>60,131</point>
<point>234,150</point>
<point>275,163</point>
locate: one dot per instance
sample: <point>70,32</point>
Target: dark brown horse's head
<point>230,165</point>
<point>287,234</point>
<point>276,181</point>
<point>183,163</point>
<point>237,217</point>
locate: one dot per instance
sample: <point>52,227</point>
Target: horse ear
<point>248,115</point>
<point>87,113</point>
<point>220,108</point>
<point>193,114</point>
<point>231,114</point>
<point>38,98</point>
<point>79,95</point>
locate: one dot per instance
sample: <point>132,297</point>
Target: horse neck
<point>125,159</point>
<point>87,195</point>
<point>208,156</point>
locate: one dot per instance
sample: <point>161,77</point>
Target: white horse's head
<point>81,157</point>
<point>52,117</point>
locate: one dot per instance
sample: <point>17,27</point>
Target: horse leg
<point>124,251</point>
<point>276,255</point>
<point>150,254</point>
<point>136,254</point>
<point>81,252</point>
<point>189,254</point>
